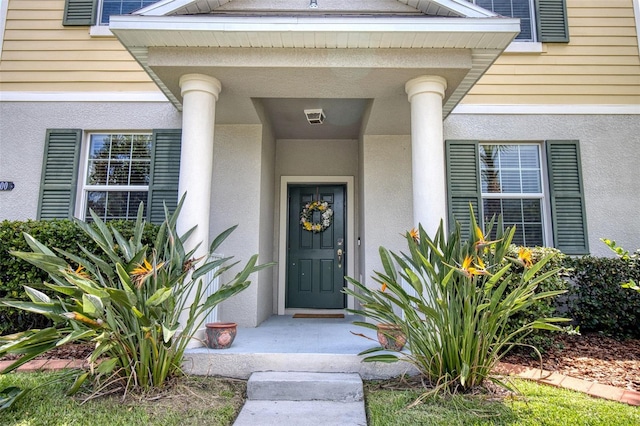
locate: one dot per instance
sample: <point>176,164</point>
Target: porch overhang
<point>481,39</point>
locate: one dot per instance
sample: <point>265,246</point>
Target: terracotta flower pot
<point>220,335</point>
<point>391,336</point>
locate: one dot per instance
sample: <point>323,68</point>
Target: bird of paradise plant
<point>452,299</point>
<point>129,308</point>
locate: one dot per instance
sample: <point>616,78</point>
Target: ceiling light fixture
<point>313,4</point>
<point>314,116</point>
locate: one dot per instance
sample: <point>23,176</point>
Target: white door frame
<point>285,181</point>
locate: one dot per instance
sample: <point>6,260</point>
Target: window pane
<point>97,173</point>
<point>510,181</point>
<point>96,201</point>
<point>512,211</point>
<point>121,147</point>
<point>509,156</point>
<point>533,235</point>
<point>141,147</point>
<point>531,182</point>
<point>99,146</point>
<point>529,157</point>
<point>140,173</point>
<point>119,173</point>
<point>531,211</point>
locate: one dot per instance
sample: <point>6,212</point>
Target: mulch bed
<point>591,357</point>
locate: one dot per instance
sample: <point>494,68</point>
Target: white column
<point>426,94</point>
<point>199,96</point>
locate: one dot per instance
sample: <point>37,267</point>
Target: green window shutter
<point>551,17</point>
<point>165,171</point>
<point>463,183</point>
<point>567,197</point>
<point>59,174</point>
<point>79,12</point>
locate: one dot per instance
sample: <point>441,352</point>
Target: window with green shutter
<point>540,20</point>
<point>118,171</point>
<point>508,179</point>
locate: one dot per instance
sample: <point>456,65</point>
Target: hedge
<point>597,301</point>
<point>14,273</point>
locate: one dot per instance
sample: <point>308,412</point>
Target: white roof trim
<point>283,24</point>
<point>462,8</point>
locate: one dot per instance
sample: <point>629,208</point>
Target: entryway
<point>319,270</point>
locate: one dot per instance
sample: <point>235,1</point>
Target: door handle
<point>340,252</point>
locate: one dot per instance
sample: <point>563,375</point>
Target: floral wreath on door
<point>306,216</point>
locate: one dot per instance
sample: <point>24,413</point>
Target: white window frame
<point>534,32</point>
<point>84,188</point>
<point>547,232</point>
<point>100,30</point>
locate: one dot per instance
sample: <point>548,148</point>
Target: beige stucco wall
<point>235,199</point>
<point>266,288</point>
<point>387,197</point>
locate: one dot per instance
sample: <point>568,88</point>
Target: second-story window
<point>522,9</point>
<point>119,7</point>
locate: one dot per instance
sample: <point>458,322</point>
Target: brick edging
<point>598,390</point>
<point>47,364</point>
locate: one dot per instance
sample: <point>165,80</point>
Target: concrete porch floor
<point>283,343</point>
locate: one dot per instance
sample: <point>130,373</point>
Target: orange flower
<point>415,235</point>
<point>469,268</point>
<point>80,272</point>
<point>525,257</point>
<point>384,287</point>
<point>481,239</point>
<point>143,271</point>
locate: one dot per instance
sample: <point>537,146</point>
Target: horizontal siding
<point>600,64</point>
<point>40,54</point>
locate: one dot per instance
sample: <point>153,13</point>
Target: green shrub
<point>14,272</point>
<point>597,301</point>
<point>140,308</point>
<point>463,293</point>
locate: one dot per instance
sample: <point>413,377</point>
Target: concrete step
<point>302,413</point>
<point>305,386</point>
<point>229,363</point>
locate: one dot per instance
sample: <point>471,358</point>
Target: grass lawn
<point>539,405</point>
<point>208,401</point>
<point>193,401</point>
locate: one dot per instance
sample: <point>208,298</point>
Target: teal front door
<point>316,258</point>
